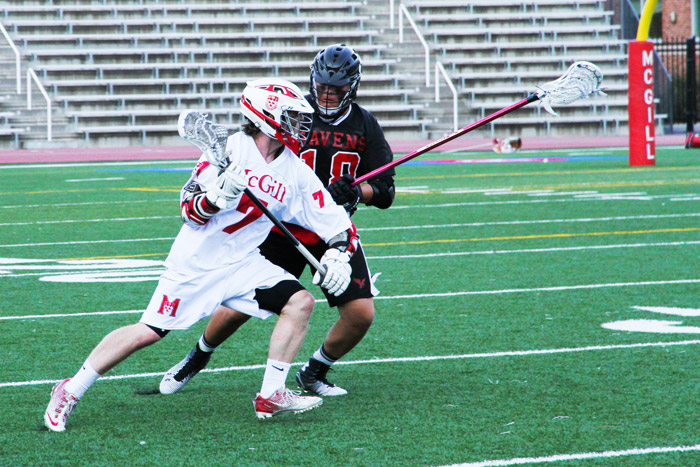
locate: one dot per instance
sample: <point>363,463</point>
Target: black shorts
<point>280,251</point>
<point>275,298</point>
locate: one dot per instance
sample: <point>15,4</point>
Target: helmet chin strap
<point>335,117</point>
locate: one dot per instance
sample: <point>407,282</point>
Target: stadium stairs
<point>119,71</point>
<point>496,52</point>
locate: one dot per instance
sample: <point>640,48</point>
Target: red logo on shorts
<point>167,307</point>
<point>360,282</point>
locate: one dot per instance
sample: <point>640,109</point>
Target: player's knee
<point>230,318</point>
<point>365,320</point>
<point>358,312</point>
<point>148,335</point>
<point>300,305</point>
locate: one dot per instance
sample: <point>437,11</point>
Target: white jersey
<point>287,186</point>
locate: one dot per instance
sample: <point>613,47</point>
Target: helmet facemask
<point>294,129</point>
<point>322,93</point>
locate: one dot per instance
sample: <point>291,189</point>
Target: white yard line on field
<point>537,221</point>
<point>425,255</point>
<point>90,203</point>
<point>419,296</point>
<point>105,179</point>
<point>373,258</point>
<point>578,456</point>
<point>540,289</point>
<point>601,197</point>
<point>71,315</point>
<point>378,229</point>
<point>536,250</point>
<point>80,242</point>
<point>73,221</point>
<point>514,353</point>
<point>598,197</point>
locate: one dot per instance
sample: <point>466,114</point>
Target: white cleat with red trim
<point>60,406</point>
<point>284,401</point>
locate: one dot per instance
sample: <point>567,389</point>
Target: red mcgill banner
<point>641,103</point>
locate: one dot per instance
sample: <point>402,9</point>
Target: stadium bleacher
<point>122,71</point>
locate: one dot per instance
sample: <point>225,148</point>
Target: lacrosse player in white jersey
<point>215,258</point>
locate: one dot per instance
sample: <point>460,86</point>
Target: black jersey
<point>354,145</point>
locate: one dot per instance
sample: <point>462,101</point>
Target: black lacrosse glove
<point>344,193</point>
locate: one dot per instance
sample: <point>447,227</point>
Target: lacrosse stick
<point>297,244</point>
<point>580,81</point>
<point>211,139</point>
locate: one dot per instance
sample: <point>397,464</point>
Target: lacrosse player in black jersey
<point>346,141</point>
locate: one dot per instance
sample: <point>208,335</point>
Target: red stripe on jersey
<point>305,236</point>
<point>200,166</point>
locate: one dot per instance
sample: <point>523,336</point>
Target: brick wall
<point>682,27</point>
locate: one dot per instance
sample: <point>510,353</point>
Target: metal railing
<point>629,20</point>
<point>403,11</point>
<point>680,57</point>
<point>31,75</point>
<point>455,113</point>
<point>18,59</point>
<point>391,14</point>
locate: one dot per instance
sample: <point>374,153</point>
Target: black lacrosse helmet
<point>336,65</point>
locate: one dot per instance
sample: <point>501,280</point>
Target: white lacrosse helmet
<point>278,108</point>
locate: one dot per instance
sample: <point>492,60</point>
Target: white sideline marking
<point>537,250</point>
<point>73,221</point>
<point>106,179</point>
<point>89,203</point>
<point>608,197</point>
<point>426,255</point>
<point>579,456</point>
<point>80,242</point>
<point>370,229</point>
<point>539,221</point>
<point>443,294</point>
<point>514,353</point>
<point>415,206</point>
<point>541,289</point>
<point>71,315</point>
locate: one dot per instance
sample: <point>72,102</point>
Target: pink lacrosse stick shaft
<point>429,147</point>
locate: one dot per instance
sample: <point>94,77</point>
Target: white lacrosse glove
<point>337,277</point>
<point>229,186</point>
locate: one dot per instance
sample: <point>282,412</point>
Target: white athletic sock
<point>323,357</point>
<point>82,380</point>
<point>275,376</point>
<point>204,346</point>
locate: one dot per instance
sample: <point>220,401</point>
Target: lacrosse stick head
<point>580,81</point>
<point>210,138</point>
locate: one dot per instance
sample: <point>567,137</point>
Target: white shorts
<point>179,301</point>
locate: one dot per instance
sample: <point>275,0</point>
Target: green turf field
<point>530,313</point>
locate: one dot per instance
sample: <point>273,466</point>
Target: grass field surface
<point>531,313</point>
